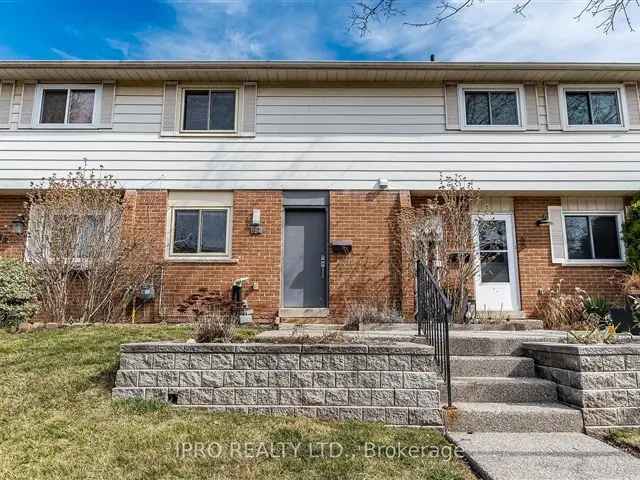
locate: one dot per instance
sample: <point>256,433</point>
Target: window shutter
<point>106,110</point>
<point>633,105</point>
<point>451,106</point>
<point>556,234</point>
<point>553,107</point>
<point>250,95</point>
<point>6,97</point>
<point>26,111</point>
<point>35,234</point>
<point>170,109</point>
<point>531,104</point>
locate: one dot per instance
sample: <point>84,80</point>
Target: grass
<point>629,439</point>
<point>57,421</point>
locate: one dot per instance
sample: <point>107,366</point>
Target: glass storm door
<point>497,278</point>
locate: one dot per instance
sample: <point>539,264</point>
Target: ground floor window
<point>200,231</point>
<point>593,236</point>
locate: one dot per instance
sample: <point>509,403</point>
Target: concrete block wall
<point>391,383</point>
<point>601,380</point>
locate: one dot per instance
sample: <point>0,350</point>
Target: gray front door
<point>305,258</point>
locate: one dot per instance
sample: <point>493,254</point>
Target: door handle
<point>323,266</point>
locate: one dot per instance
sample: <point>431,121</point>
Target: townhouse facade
<point>290,174</point>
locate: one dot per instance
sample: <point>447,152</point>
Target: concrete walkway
<point>546,456</point>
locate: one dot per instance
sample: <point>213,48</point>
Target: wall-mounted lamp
<point>383,183</point>
<point>255,227</point>
<point>17,228</point>
<point>543,221</point>
<point>18,224</point>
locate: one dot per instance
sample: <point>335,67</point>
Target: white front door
<point>497,275</point>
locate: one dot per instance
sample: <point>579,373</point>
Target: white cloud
<point>64,55</point>
<point>491,31</point>
<point>240,29</point>
<point>317,29</point>
<point>120,46</point>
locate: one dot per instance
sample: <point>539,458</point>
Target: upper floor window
<point>67,105</point>
<point>210,110</point>
<point>489,107</point>
<point>592,107</point>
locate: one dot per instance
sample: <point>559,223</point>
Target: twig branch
<point>609,11</point>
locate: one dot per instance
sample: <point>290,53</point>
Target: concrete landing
<point>545,456</point>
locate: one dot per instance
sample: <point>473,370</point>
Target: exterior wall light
<point>255,227</point>
<point>543,221</point>
<point>383,183</point>
<point>18,224</point>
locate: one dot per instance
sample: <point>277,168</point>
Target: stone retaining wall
<point>602,380</point>
<point>391,383</point>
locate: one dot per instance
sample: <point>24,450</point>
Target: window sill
<point>492,128</point>
<point>65,127</point>
<point>594,263</point>
<point>595,128</point>
<point>207,135</point>
<point>221,260</point>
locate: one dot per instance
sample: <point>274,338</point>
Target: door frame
<point>515,279</point>
<point>324,208</point>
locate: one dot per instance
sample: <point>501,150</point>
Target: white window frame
<point>35,220</point>
<point>518,89</point>
<point>218,87</point>
<point>594,261</point>
<point>203,256</point>
<point>97,104</point>
<point>622,105</point>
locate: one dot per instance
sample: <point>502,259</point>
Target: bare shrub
<point>216,324</point>
<point>559,309</point>
<point>441,235</point>
<point>216,319</point>
<point>360,313</point>
<point>87,267</point>
<point>363,289</point>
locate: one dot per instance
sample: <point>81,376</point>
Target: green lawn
<point>57,421</point>
<point>629,439</point>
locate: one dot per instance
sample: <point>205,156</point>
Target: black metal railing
<point>433,316</point>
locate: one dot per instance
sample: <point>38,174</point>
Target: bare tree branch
<point>364,12</point>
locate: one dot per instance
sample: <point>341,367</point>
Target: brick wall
<point>10,208</point>
<point>534,258</point>
<point>254,256</point>
<point>373,271</point>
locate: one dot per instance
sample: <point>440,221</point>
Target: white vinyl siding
<point>396,133</point>
<point>138,108</point>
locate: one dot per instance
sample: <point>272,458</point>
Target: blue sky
<point>301,29</point>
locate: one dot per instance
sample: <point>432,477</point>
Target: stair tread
<point>510,358</point>
<point>529,380</point>
<point>512,407</point>
<point>543,416</point>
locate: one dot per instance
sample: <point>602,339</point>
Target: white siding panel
<point>324,138</point>
<point>138,100</point>
<point>137,108</point>
<point>156,109</point>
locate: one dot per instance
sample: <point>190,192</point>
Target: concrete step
<point>524,324</point>
<point>513,417</point>
<point>497,343</point>
<point>492,366</point>
<point>500,389</point>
